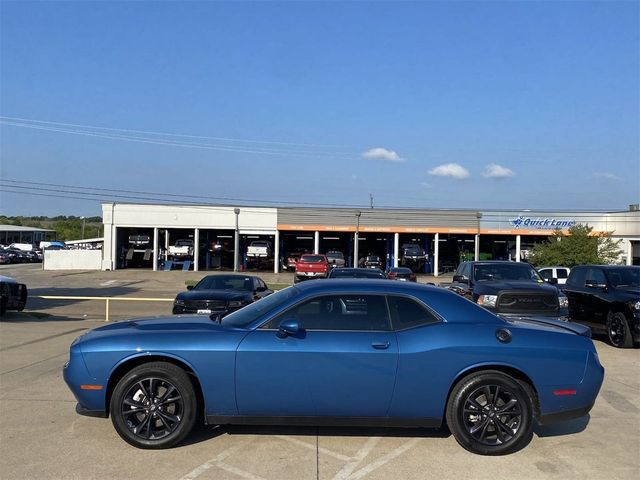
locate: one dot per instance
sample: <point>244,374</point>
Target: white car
<point>559,273</point>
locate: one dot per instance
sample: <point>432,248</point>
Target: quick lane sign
<point>542,223</point>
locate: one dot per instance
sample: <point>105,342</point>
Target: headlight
<point>634,306</point>
<point>487,300</point>
<point>236,303</point>
<point>180,303</point>
<point>564,302</point>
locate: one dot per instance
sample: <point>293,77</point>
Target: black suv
<point>606,298</point>
<point>413,256</point>
<point>511,288</point>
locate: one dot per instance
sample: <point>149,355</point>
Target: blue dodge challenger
<point>339,352</point>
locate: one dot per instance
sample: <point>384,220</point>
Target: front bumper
<point>76,375</point>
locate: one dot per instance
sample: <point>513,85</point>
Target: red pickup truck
<point>311,266</point>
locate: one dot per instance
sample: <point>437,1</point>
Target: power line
<point>222,148</point>
<point>165,134</point>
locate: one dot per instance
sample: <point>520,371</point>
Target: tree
<point>579,246</point>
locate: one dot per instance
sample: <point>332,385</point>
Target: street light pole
<point>356,238</point>
<point>236,242</point>
<point>83,220</point>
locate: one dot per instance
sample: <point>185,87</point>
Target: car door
<point>597,307</point>
<point>343,362</point>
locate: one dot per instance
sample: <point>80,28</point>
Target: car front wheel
<point>154,406</point>
<point>618,330</point>
<point>490,413</point>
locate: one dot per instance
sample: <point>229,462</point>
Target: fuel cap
<point>503,335</point>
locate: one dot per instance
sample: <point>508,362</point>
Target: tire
<point>167,418</point>
<point>618,331</point>
<point>489,432</point>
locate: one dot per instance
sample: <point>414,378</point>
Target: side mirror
<point>288,327</point>
<point>460,279</point>
<point>261,289</point>
<point>190,287</point>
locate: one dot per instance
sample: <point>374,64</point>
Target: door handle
<point>381,345</point>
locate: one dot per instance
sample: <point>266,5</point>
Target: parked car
<point>412,256</point>
<point>607,299</point>
<point>559,273</point>
<point>13,295</point>
<point>17,256</point>
<point>375,273</point>
<point>371,261</point>
<point>311,266</point>
<point>403,274</point>
<point>5,258</point>
<point>339,352</point>
<point>181,250</point>
<point>220,294</point>
<point>336,258</point>
<point>508,288</point>
<point>292,258</point>
<point>140,240</point>
<point>259,249</point>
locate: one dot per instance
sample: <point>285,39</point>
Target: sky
<point>481,105</point>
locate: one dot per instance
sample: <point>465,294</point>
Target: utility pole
<point>371,200</point>
<point>236,242</point>
<point>83,220</point>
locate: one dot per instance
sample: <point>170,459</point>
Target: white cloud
<point>493,170</point>
<point>384,154</point>
<point>606,176</point>
<point>450,170</point>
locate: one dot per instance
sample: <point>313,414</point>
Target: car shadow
<point>569,427</point>
<point>36,317</point>
<point>207,432</point>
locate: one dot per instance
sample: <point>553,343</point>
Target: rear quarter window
<point>407,313</point>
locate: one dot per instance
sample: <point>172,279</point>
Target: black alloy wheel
<point>491,413</point>
<point>154,406</point>
<point>618,330</point>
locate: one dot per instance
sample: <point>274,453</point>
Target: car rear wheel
<point>490,413</point>
<point>154,406</point>
<point>618,330</point>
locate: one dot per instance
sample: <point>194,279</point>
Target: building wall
<point>72,260</point>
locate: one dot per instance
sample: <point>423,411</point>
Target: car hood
<point>213,295</point>
<point>160,324</point>
<point>488,287</point>
<point>541,321</point>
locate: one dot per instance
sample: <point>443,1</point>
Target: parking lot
<point>42,436</point>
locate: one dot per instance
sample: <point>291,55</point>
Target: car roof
<point>359,284</point>
<point>609,267</point>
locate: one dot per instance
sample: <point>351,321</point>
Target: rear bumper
<point>564,416</point>
<point>80,410</point>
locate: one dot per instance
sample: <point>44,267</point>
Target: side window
<point>561,272</point>
<point>596,275</point>
<point>466,270</point>
<point>407,313</point>
<point>460,269</point>
<point>546,273</point>
<point>338,312</point>
<point>577,277</point>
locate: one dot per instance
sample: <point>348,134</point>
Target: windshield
<point>259,244</point>
<point>247,315</point>
<point>624,276</point>
<point>506,271</point>
<point>225,282</point>
<point>184,243</point>
<point>311,259</point>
